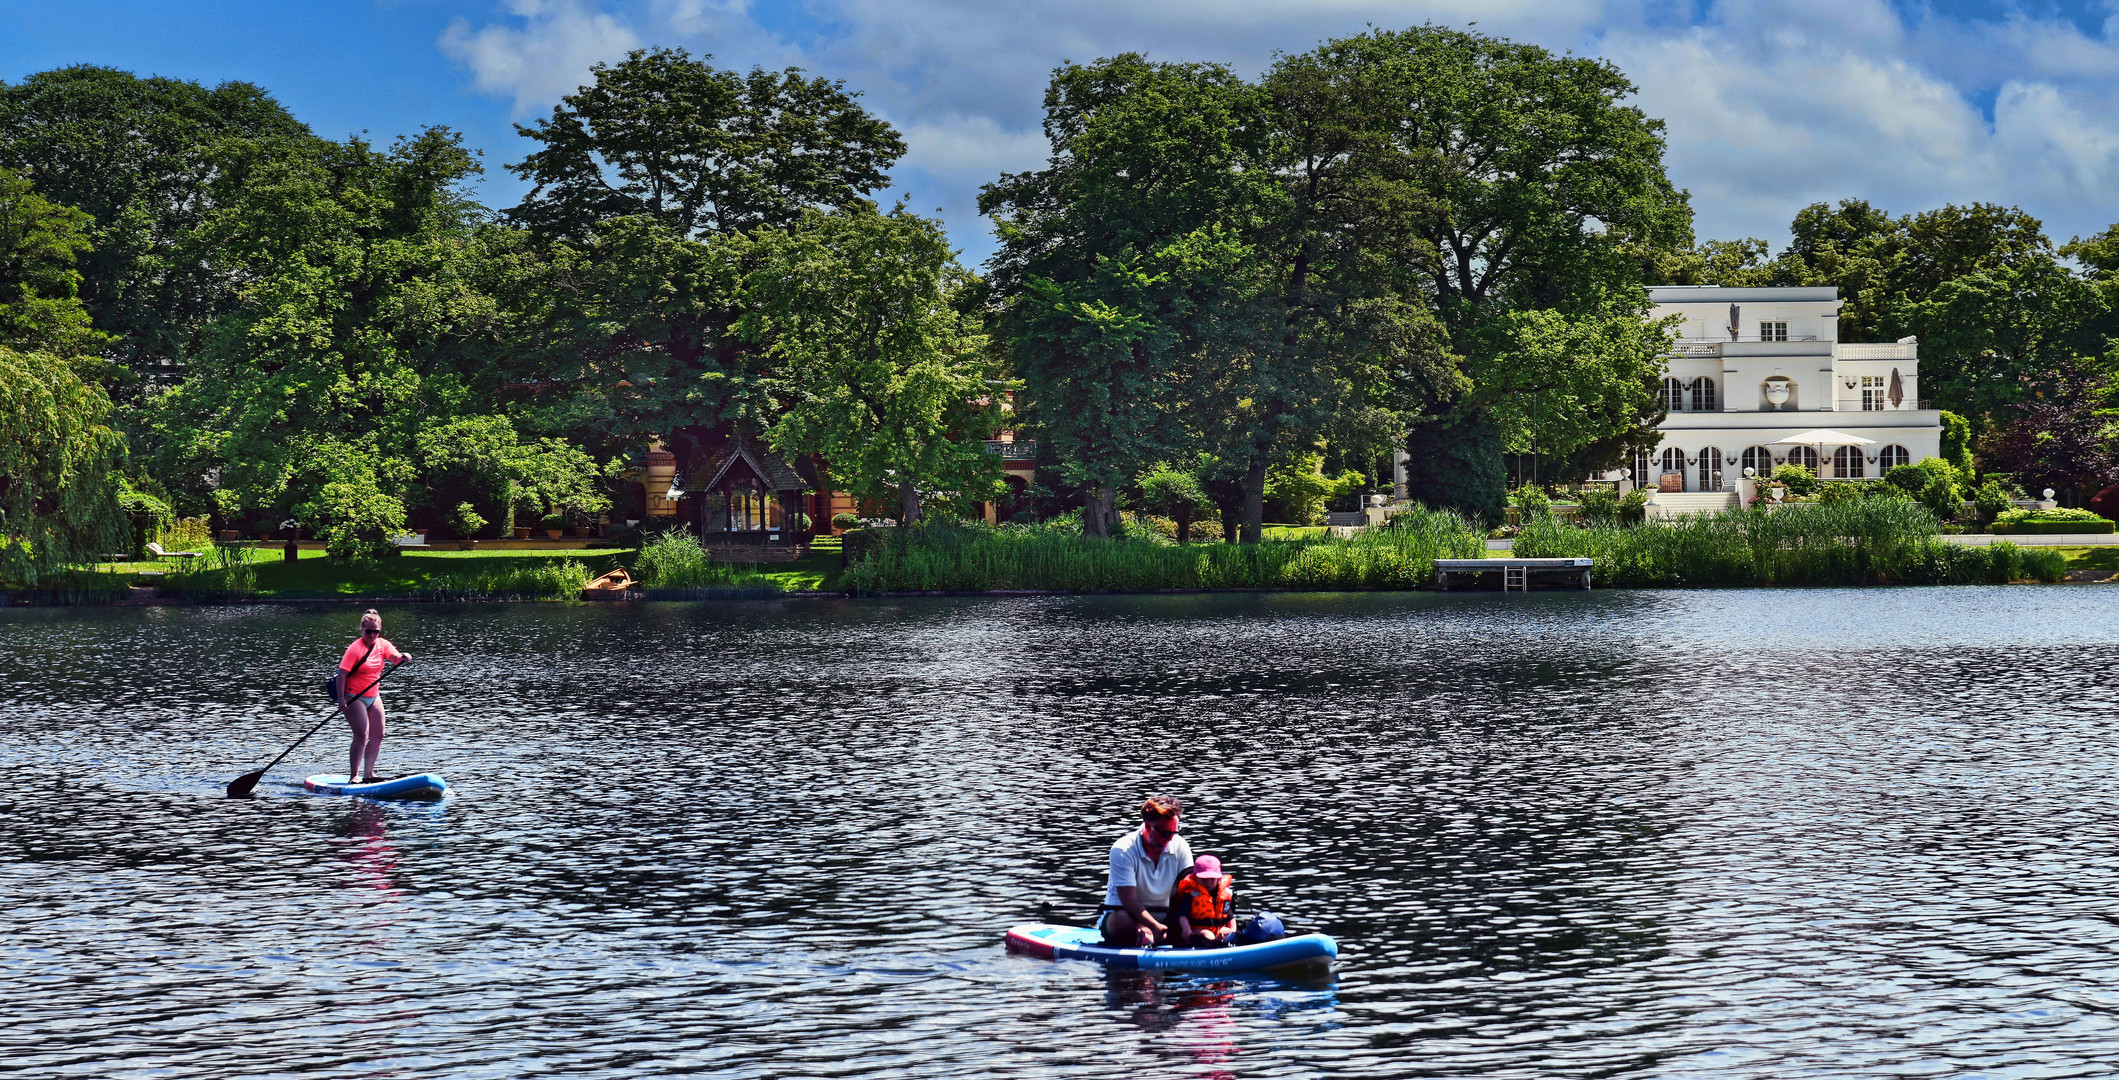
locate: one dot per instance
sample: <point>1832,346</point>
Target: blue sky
<point>1772,104</point>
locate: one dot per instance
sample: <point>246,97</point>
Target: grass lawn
<point>2103,559</point>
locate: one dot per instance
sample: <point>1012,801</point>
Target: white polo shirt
<point>1154,878</point>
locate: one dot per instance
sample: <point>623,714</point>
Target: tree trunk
<point>1184,523</point>
<point>1097,506</point>
<point>908,503</point>
<point>1254,501</point>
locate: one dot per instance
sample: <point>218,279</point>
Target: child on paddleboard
<point>1205,905</point>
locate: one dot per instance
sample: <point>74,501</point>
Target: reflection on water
<point>1805,832</point>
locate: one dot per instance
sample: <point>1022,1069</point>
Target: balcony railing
<point>1019,450</point>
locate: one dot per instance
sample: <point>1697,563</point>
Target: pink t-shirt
<point>362,683</point>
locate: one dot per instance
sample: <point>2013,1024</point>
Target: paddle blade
<point>241,785</point>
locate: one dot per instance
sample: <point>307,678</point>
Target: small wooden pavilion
<point>743,496</point>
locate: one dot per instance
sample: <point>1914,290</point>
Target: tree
<point>700,150</point>
<point>1994,337</point>
<point>1123,268</point>
<point>40,304</point>
<point>2066,438</point>
<point>1578,392</point>
<point>150,161</point>
<point>874,368</point>
<point>1175,493</point>
<point>371,317</point>
<point>58,469</point>
<point>1533,188</point>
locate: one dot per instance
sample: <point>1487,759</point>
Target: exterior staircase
<point>1665,505</point>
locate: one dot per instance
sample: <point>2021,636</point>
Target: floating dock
<point>1515,573</point>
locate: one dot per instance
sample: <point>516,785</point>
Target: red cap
<point>1206,866</point>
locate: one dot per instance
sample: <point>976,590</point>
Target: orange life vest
<point>1208,909</point>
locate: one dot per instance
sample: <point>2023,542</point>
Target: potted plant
<point>555,524</point>
<point>466,522</point>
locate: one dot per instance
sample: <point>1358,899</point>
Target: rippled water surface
<point>1757,833</point>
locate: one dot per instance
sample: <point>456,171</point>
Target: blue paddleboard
<point>420,786</point>
<point>1086,943</point>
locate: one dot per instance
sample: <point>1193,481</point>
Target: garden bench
<point>159,552</point>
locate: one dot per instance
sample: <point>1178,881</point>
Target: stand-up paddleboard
<point>1086,943</point>
<point>418,786</point>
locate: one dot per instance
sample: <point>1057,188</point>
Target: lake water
<point>1614,834</point>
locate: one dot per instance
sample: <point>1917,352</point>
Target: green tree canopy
<point>700,150</point>
<point>874,367</point>
<point>372,318</point>
<point>40,302</point>
<point>149,160</point>
<point>59,461</point>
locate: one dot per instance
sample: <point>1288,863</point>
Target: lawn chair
<point>159,552</point>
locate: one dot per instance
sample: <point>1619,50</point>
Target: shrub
<point>354,517</point>
<point>1798,479</point>
<point>1940,496</point>
<point>674,559</point>
<point>1023,517</point>
<point>1531,502</point>
<point>186,534</point>
<point>1990,502</point>
<point>553,520</point>
<point>466,521</point>
<point>1600,506</point>
<point>1842,492</point>
<point>2058,513</point>
<point>1907,478</point>
<point>1633,509</point>
<point>843,521</point>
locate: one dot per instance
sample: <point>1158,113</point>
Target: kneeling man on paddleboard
<point>1145,866</point>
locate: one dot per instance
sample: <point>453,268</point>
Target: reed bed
<point>958,558</point>
<point>676,566</point>
<point>543,581</point>
<point>1870,542</point>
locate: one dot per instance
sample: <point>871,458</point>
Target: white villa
<point>1759,377</point>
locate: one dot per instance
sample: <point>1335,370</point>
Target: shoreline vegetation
<point>1871,542</point>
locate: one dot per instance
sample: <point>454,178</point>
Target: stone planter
<point>554,534</point>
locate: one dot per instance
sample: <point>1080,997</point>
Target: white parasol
<point>1822,438</point>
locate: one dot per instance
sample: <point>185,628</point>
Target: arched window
<point>1674,461</point>
<point>1673,395</point>
<point>1846,463</point>
<point>1891,457</point>
<point>1703,395</point>
<point>1759,460</point>
<point>1710,467</point>
<point>1803,456</point>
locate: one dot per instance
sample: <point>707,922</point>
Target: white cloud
<point>545,57</point>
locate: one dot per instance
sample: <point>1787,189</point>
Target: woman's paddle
<point>241,785</point>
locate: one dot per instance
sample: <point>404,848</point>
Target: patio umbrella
<point>1898,389</point>
<point>1734,321</point>
<point>1822,438</point>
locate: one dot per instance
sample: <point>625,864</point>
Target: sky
<point>1771,104</point>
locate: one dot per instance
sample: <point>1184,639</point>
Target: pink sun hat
<point>1206,866</point>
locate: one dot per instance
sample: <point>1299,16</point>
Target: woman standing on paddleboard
<point>358,672</point>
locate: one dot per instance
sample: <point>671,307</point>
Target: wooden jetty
<point>1515,573</point>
